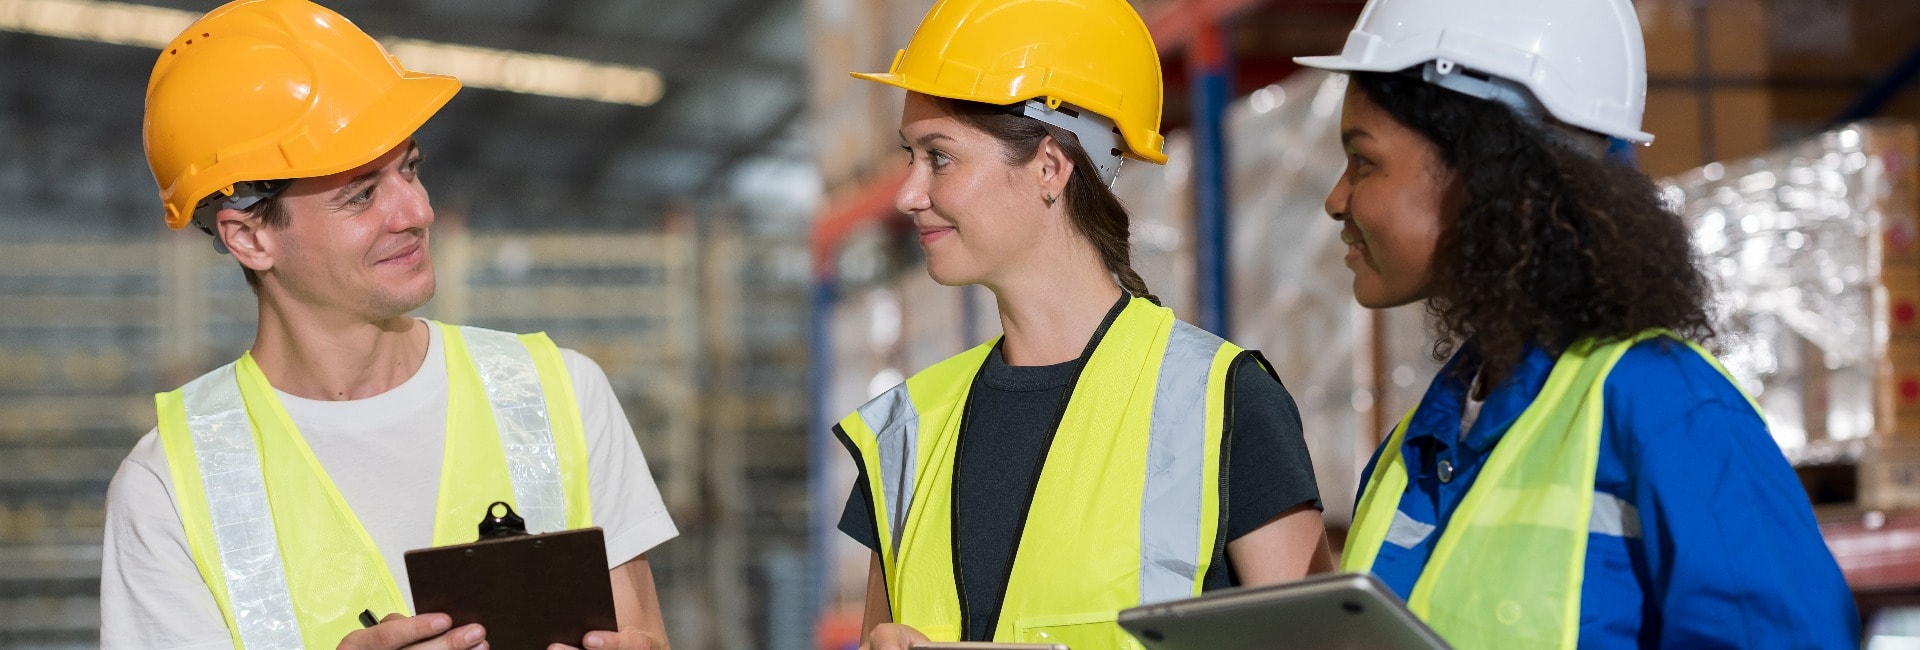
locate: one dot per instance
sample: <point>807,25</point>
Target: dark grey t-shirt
<point>1002,443</point>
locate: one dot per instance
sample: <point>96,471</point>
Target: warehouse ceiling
<point>726,135</point>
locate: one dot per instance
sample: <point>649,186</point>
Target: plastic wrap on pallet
<point>1803,244</point>
<point>1159,200</point>
<point>1292,296</point>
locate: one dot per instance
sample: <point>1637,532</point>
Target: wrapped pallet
<point>1813,251</point>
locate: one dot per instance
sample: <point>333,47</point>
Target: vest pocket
<point>1087,631</point>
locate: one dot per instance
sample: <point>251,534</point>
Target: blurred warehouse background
<point>697,196</point>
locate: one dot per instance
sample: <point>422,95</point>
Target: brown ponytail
<point>1091,206</point>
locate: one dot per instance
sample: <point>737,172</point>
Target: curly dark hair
<point>1552,244</point>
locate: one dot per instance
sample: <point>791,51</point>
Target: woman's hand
<point>632,638</point>
<point>892,636</point>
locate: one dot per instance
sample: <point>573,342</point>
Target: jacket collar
<point>1438,415</point>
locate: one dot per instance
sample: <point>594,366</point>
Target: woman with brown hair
<point>1581,473</point>
<point>1028,489</point>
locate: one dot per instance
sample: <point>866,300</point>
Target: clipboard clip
<point>495,526</point>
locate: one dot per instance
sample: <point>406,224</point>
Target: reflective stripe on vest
<point>256,581</point>
<point>1176,477</point>
<point>1508,569</point>
<point>520,414</point>
<point>898,443</point>
<point>907,438</point>
<point>238,463</point>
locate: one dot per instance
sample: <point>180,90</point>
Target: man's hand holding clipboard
<point>423,631</point>
<point>429,632</point>
<point>510,590</point>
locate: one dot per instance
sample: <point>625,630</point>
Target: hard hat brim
<point>389,121</point>
<point>1337,63</point>
<point>881,77</point>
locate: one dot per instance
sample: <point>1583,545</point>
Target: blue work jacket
<point>1702,534</point>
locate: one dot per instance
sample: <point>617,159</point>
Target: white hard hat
<point>1582,61</point>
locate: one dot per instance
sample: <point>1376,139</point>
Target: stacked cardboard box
<point>1706,73</point>
<point>1825,56</point>
<point>1890,470</point>
<point>1730,78</point>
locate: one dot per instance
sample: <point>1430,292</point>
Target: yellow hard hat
<point>1094,54</point>
<point>262,90</point>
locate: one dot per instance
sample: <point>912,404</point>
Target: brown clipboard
<point>527,590</point>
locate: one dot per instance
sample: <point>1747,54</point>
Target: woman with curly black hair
<point>1581,473</point>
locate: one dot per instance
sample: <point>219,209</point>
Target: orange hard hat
<point>262,90</point>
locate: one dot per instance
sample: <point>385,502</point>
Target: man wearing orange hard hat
<point>271,505</point>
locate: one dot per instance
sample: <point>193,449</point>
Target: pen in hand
<point>367,619</point>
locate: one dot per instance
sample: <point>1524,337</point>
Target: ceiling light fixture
<point>521,72</point>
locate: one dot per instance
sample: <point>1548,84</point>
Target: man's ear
<point>1054,167</point>
<point>249,241</point>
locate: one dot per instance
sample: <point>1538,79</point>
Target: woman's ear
<point>250,242</point>
<point>1054,167</point>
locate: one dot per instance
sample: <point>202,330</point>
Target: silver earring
<point>1049,199</point>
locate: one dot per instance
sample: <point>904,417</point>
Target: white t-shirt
<point>384,454</point>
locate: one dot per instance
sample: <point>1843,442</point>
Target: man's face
<point>356,242</point>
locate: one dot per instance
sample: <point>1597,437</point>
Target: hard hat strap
<point>1452,76</point>
<point>238,196</point>
<point>1096,133</point>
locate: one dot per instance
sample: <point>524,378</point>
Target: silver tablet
<point>983,645</point>
<point>1335,612</point>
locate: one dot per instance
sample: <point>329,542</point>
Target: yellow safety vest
<point>1127,508</point>
<point>287,560</point>
<point>1507,572</point>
